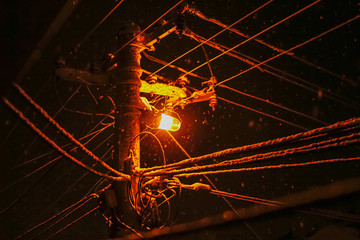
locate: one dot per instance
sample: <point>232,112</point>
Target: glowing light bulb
<point>169,123</point>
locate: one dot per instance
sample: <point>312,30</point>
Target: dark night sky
<point>203,131</point>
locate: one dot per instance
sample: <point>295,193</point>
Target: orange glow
<point>169,123</point>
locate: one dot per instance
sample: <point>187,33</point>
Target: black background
<point>203,131</point>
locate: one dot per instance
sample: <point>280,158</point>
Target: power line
<point>90,133</point>
<point>291,49</point>
<point>289,165</point>
<point>317,193</point>
<point>319,212</point>
<point>246,94</point>
<point>259,33</point>
<point>68,211</point>
<point>97,25</point>
<point>274,104</point>
<point>236,22</point>
<point>63,131</point>
<point>73,222</point>
<point>162,62</point>
<point>31,186</point>
<point>56,215</point>
<point>198,13</point>
<point>42,167</point>
<point>206,177</point>
<point>121,177</point>
<point>213,186</point>
<point>117,51</point>
<point>284,75</point>
<point>47,124</point>
<point>339,126</point>
<point>53,204</point>
<point>263,113</point>
<point>4,140</point>
<point>318,146</point>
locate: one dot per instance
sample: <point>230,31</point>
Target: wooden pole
<point>125,83</point>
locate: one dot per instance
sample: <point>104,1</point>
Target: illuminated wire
<point>63,217</point>
<point>289,165</point>
<point>45,127</point>
<point>259,33</point>
<point>206,177</point>
<point>53,203</point>
<point>274,104</point>
<point>217,22</point>
<point>4,140</point>
<point>154,59</point>
<point>32,185</point>
<point>332,214</point>
<point>330,191</point>
<point>207,59</point>
<point>197,13</point>
<point>97,25</point>
<point>343,125</point>
<point>324,70</point>
<point>240,197</point>
<point>117,51</point>
<point>77,111</point>
<point>213,186</point>
<point>91,132</point>
<point>96,185</point>
<point>189,33</point>
<point>87,198</point>
<point>157,140</point>
<point>63,131</point>
<point>319,212</point>
<point>236,22</point>
<point>158,76</point>
<point>266,101</point>
<point>164,201</point>
<point>263,113</point>
<point>291,49</point>
<point>29,174</point>
<point>127,226</point>
<point>40,168</point>
<point>121,177</point>
<point>73,222</point>
<point>245,58</point>
<point>332,143</point>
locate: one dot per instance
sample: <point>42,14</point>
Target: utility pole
<point>121,73</point>
<point>125,83</point>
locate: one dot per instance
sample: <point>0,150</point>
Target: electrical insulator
<point>213,102</point>
<point>182,81</point>
<point>180,25</point>
<point>169,106</point>
<point>182,104</point>
<point>146,103</point>
<point>152,79</point>
<point>212,81</point>
<point>169,123</point>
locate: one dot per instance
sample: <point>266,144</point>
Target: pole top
<point>127,32</point>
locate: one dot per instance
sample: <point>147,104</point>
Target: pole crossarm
<point>83,76</point>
